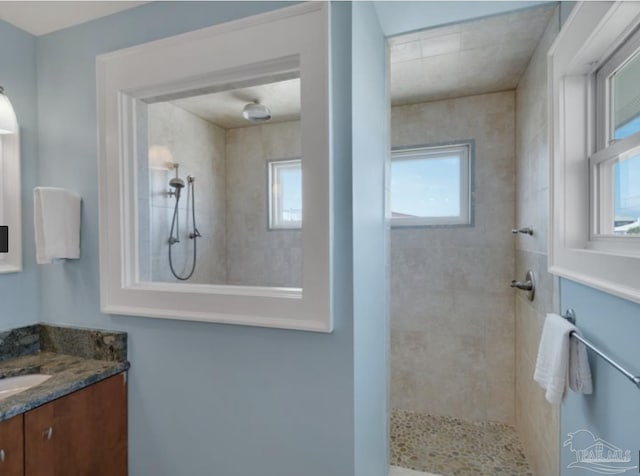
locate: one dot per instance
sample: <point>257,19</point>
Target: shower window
<point>285,194</point>
<point>431,185</point>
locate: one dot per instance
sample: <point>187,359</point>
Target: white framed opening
<point>284,194</point>
<point>431,185</point>
<point>293,42</point>
<point>588,150</point>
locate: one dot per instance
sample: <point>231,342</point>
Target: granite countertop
<point>75,358</point>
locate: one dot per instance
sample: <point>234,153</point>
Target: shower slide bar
<point>570,315</point>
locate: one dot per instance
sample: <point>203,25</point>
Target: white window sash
<point>463,152</point>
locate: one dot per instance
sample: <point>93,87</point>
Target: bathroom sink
<point>12,385</point>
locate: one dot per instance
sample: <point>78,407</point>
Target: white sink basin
<point>12,385</point>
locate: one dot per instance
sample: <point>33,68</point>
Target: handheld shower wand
<point>178,184</point>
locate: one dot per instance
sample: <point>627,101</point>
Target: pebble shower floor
<point>452,447</point>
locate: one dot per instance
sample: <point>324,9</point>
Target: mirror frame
<point>290,39</point>
<point>10,204</point>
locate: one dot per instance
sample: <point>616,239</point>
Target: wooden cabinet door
<point>11,447</point>
<point>81,434</point>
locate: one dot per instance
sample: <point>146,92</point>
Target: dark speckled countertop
<point>75,358</point>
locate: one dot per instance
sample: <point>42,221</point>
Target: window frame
<point>592,33</point>
<point>294,39</point>
<point>434,151</point>
<point>273,223</point>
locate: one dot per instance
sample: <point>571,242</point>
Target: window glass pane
<point>431,185</point>
<point>625,108</point>
<point>290,181</point>
<point>285,207</point>
<point>626,175</point>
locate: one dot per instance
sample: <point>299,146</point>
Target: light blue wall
<point>19,292</point>
<point>397,17</point>
<point>612,412</point>
<point>204,399</point>
<point>370,107</point>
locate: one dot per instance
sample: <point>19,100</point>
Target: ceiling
<point>40,18</point>
<point>224,108</point>
<point>465,59</point>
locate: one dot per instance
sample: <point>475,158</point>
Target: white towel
<point>57,224</point>
<point>579,370</point>
<point>552,365</point>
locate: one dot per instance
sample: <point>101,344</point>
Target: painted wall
<point>369,176</point>
<point>199,148</point>
<point>203,398</point>
<point>19,291</point>
<point>257,256</point>
<point>398,17</point>
<point>612,412</point>
<point>536,420</point>
<point>452,323</point>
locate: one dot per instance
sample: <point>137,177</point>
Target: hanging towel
<point>552,365</point>
<point>57,224</point>
<point>579,370</point>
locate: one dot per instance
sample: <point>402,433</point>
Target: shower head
<point>255,112</point>
<point>177,183</point>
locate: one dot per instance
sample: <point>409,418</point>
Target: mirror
<point>10,203</point>
<point>220,187</point>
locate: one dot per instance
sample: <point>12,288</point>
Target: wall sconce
<point>8,121</point>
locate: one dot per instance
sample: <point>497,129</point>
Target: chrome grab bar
<point>570,315</point>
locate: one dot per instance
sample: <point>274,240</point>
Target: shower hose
<point>174,227</point>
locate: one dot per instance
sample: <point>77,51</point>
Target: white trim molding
<point>10,201</point>
<point>292,40</point>
<point>591,34</point>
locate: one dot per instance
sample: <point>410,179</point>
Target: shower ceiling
<point>224,108</point>
<point>465,59</point>
<point>475,57</point>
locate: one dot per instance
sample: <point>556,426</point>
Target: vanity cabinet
<point>83,433</point>
<point>11,447</point>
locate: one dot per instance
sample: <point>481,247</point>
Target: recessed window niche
<point>189,133</point>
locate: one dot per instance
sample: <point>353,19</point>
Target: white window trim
<point>593,31</point>
<point>466,183</point>
<point>273,203</point>
<point>290,39</point>
<point>10,200</point>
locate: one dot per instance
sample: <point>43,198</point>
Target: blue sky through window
<point>627,188</point>
<point>427,187</point>
<point>290,179</point>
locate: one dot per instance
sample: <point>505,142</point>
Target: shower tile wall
<point>199,147</point>
<point>536,420</point>
<point>255,255</point>
<point>452,316</point>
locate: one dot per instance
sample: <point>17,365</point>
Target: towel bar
<point>570,315</point>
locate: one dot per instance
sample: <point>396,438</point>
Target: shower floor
<point>452,447</point>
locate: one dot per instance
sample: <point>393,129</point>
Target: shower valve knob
<point>527,230</point>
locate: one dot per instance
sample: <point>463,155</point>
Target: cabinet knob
<point>48,433</point>
<point>2,456</point>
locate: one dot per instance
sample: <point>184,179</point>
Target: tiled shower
<point>463,343</point>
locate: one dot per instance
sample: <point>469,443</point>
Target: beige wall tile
<point>536,419</point>
<point>452,317</point>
